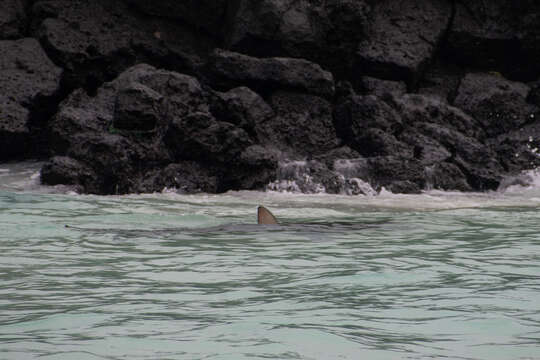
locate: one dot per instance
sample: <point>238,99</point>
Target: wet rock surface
<point>329,96</point>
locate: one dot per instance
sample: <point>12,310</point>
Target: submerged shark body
<point>264,217</point>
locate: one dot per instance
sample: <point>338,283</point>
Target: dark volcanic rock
<point>137,107</point>
<point>14,131</point>
<point>245,108</point>
<point>310,177</point>
<point>27,75</point>
<point>407,95</point>
<point>96,40</point>
<point>369,125</point>
<point>534,94</point>
<point>201,14</point>
<point>232,69</point>
<point>498,35</point>
<point>446,176</point>
<point>29,83</point>
<point>402,38</point>
<point>147,120</point>
<point>186,177</point>
<point>324,32</point>
<point>448,134</point>
<point>477,161</point>
<point>200,137</point>
<point>303,124</point>
<point>381,88</point>
<point>67,171</point>
<point>441,80</point>
<point>12,19</point>
<point>498,104</point>
<point>423,108</point>
<point>394,173</point>
<point>519,149</point>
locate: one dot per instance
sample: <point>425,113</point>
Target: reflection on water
<point>193,277</point>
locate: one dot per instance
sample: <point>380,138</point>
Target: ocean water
<point>169,276</point>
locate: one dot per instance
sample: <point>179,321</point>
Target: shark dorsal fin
<point>265,217</point>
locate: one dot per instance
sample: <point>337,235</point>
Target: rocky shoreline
<point>124,96</point>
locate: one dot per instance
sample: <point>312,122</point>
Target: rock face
<point>29,83</point>
<point>341,96</point>
<point>402,38</point>
<point>500,36</point>
<point>96,40</point>
<point>263,75</point>
<point>167,136</point>
<point>12,19</point>
<point>326,32</point>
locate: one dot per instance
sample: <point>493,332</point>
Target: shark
<point>265,217</point>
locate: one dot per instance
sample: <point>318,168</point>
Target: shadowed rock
<point>29,82</point>
<point>232,69</point>
<point>498,104</point>
<point>498,35</point>
<point>207,15</point>
<point>402,38</point>
<point>323,32</point>
<point>147,120</point>
<point>12,19</point>
<point>94,41</point>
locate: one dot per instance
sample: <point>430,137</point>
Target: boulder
<point>12,19</point>
<point>67,171</point>
<point>30,83</point>
<point>446,176</point>
<point>402,39</point>
<point>94,41</point>
<point>311,177</point>
<point>519,149</point>
<point>254,168</point>
<point>137,108</point>
<point>149,129</point>
<point>302,124</point>
<point>394,173</point>
<point>200,137</point>
<point>324,32</point>
<point>369,125</point>
<point>441,80</point>
<point>207,15</point>
<point>185,177</point>
<point>27,75</point>
<point>440,132</point>
<point>498,104</point>
<point>498,35</point>
<point>14,132</point>
<point>381,88</point>
<point>230,69</point>
<point>432,109</point>
<point>244,108</point>
<point>534,94</point>
<point>476,160</point>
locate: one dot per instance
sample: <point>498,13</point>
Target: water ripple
<point>157,277</point>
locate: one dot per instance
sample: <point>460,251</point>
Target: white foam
<point>529,179</point>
